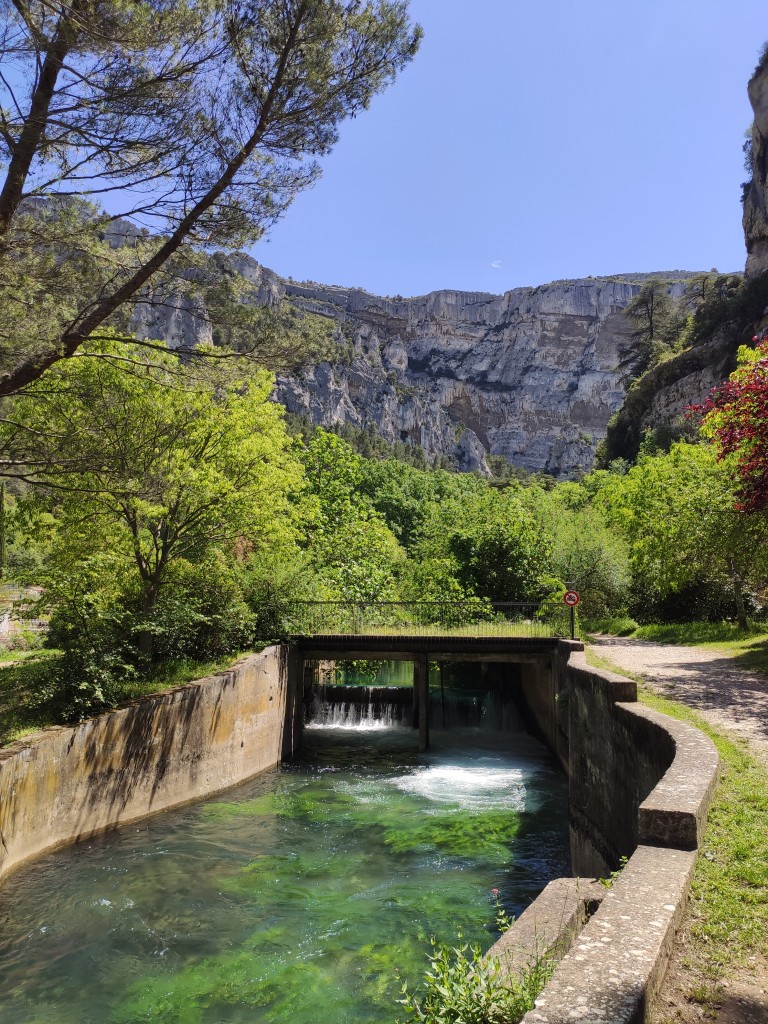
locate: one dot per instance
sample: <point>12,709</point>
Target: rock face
<point>755,218</point>
<point>661,396</point>
<point>533,375</point>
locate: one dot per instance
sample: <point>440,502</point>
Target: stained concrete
<point>548,927</point>
<point>65,784</point>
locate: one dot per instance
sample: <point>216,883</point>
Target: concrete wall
<point>640,786</point>
<point>635,776</point>
<point>64,784</point>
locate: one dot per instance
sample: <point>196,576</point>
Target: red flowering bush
<point>735,416</point>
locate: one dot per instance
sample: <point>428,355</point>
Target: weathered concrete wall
<point>636,777</point>
<point>544,686</point>
<point>67,783</point>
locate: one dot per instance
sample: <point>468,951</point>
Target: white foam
<point>366,725</point>
<point>472,787</point>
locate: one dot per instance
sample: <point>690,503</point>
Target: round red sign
<point>571,598</point>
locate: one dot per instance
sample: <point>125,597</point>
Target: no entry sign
<point>571,598</point>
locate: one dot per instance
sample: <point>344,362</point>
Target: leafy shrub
<point>98,655</point>
<point>462,986</point>
<point>202,613</point>
<point>274,586</point>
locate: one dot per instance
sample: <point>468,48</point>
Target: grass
<point>729,904</point>
<point>13,657</point>
<point>728,917</point>
<point>616,625</point>
<point>176,673</point>
<point>26,706</point>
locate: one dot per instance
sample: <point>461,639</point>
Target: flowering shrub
<point>735,416</point>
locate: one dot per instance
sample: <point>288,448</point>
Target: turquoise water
<point>303,896</point>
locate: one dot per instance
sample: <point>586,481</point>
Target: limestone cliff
<point>533,375</point>
<point>755,218</point>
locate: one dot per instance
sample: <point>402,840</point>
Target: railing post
<point>416,692</point>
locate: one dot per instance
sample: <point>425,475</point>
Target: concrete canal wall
<point>67,783</point>
<point>640,787</point>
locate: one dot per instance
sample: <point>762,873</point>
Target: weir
<point>528,671</point>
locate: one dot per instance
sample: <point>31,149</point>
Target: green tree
<point>333,472</point>
<point>685,536</point>
<point>196,123</point>
<point>355,554</point>
<point>586,552</point>
<point>655,322</point>
<point>499,547</point>
<point>406,496</point>
<point>151,468</point>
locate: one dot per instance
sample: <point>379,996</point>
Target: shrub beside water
<point>464,986</point>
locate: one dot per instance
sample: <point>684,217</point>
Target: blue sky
<point>532,140</point>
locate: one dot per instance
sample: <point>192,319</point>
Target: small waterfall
<point>358,707</point>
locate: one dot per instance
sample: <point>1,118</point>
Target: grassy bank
<point>728,916</point>
<point>27,703</point>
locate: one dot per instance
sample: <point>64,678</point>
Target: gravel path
<point>710,682</point>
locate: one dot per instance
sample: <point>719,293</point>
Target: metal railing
<point>471,618</point>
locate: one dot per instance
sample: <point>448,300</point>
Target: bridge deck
<point>404,647</point>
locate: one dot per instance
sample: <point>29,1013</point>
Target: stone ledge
<point>614,688</point>
<point>614,969</point>
<point>675,811</point>
<point>549,926</point>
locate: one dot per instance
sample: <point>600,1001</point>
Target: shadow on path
<point>707,681</point>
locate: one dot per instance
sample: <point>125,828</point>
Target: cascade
<point>358,707</point>
<point>388,707</point>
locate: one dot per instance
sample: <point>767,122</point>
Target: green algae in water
<point>305,896</point>
<point>476,836</point>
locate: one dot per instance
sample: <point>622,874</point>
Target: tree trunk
<point>146,637</point>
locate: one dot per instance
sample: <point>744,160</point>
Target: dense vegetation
<point>165,516</point>
<point>698,331</point>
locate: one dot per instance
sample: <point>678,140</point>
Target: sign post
<point>571,599</point>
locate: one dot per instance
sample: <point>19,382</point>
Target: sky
<point>535,140</point>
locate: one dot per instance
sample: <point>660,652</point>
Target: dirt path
<point>735,701</point>
<point>727,696</point>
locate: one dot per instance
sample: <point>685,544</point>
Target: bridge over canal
<point>528,636</point>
